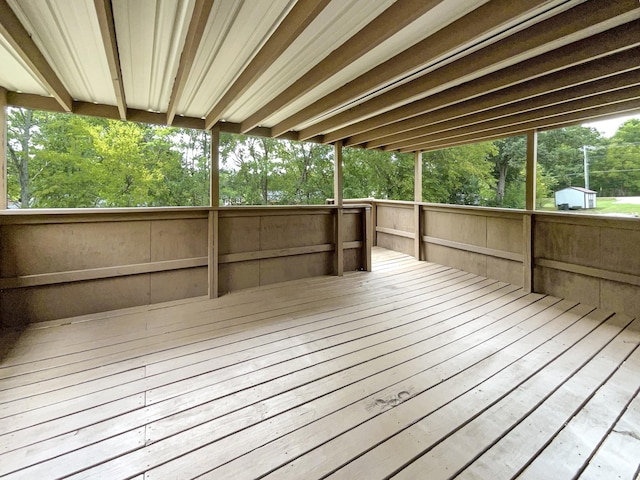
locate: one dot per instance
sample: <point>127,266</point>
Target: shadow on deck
<point>414,370</point>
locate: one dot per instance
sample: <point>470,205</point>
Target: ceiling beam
<point>388,23</point>
<point>571,77</point>
<point>548,34</point>
<point>49,104</point>
<point>199,19</point>
<point>590,49</point>
<point>550,122</point>
<point>300,16</point>
<point>108,32</point>
<point>580,98</point>
<point>557,97</point>
<point>489,17</point>
<point>20,40</point>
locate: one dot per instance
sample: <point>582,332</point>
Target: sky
<point>609,127</point>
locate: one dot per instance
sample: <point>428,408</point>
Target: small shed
<point>575,197</point>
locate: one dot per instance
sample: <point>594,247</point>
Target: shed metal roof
<point>398,75</point>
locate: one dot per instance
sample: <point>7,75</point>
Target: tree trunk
<point>502,182</point>
<point>20,158</point>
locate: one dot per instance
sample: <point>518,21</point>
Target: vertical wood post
<point>532,160</point>
<point>530,203</point>
<point>417,197</point>
<point>214,202</point>
<point>214,190</point>
<point>528,256</point>
<point>3,149</point>
<point>337,174</point>
<point>338,199</point>
<point>368,238</point>
<point>374,223</point>
<point>213,254</point>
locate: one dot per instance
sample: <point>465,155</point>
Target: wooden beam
<point>557,31</point>
<point>3,149</point>
<point>338,201</point>
<point>520,122</point>
<point>532,161</point>
<point>392,20</point>
<point>199,18</point>
<point>339,241</point>
<point>495,14</point>
<point>579,98</point>
<point>527,254</point>
<point>214,191</point>
<point>586,52</point>
<point>213,249</point>
<point>20,40</point>
<point>417,197</point>
<point>564,120</point>
<point>108,32</point>
<point>531,94</point>
<point>337,174</point>
<point>368,232</point>
<point>299,18</point>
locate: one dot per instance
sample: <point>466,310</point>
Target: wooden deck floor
<point>412,371</point>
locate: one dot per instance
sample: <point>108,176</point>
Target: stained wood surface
<point>411,368</point>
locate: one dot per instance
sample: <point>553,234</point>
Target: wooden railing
<point>586,258</point>
<point>57,264</point>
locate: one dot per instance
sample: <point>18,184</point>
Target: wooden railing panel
<point>590,259</point>
<point>56,264</point>
<point>180,238</point>
<point>471,229</point>
<point>395,228</point>
<point>33,249</point>
<point>505,234</point>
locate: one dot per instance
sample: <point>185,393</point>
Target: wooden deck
<point>412,371</point>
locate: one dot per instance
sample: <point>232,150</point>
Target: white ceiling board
<point>437,18</point>
<point>68,35</point>
<point>338,22</point>
<point>15,75</point>
<point>151,35</point>
<point>236,31</point>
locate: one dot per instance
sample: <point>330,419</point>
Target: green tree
<point>616,169</point>
<point>370,173</point>
<point>60,160</point>
<point>306,173</point>
<point>20,129</point>
<point>459,175</point>
<point>561,154</point>
<point>509,162</point>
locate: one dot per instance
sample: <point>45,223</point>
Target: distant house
<point>575,197</point>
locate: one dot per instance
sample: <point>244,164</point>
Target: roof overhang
<point>396,75</point>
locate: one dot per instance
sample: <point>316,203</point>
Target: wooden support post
<point>214,191</point>
<point>417,197</point>
<point>369,231</point>
<point>374,223</point>
<point>214,202</point>
<point>214,254</point>
<point>527,253</point>
<point>530,204</point>
<point>337,174</point>
<point>532,160</point>
<point>338,201</point>
<point>339,243</point>
<point>3,149</point>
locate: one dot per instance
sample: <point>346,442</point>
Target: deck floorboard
<point>414,370</point>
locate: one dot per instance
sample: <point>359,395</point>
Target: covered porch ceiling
<point>397,75</point>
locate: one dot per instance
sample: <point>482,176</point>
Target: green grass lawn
<point>606,205</point>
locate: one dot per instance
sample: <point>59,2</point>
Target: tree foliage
<point>59,160</point>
